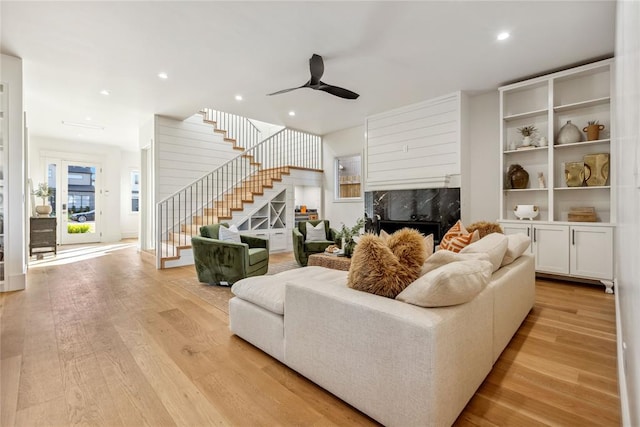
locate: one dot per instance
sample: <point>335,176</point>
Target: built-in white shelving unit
<point>3,139</point>
<point>577,249</point>
<point>269,221</point>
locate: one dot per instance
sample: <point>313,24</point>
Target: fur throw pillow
<point>386,268</point>
<point>485,228</point>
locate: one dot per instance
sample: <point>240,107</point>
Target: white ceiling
<point>391,53</point>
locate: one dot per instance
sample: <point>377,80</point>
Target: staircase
<point>234,186</point>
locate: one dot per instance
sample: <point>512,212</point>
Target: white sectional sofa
<point>401,364</point>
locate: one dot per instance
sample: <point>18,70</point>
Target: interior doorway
<point>76,200</point>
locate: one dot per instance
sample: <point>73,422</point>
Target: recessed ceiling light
<point>80,135</point>
<point>83,125</point>
<point>88,118</point>
<point>503,36</point>
<point>292,113</point>
<point>163,76</point>
<point>238,97</point>
<point>104,92</point>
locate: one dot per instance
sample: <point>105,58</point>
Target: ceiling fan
<point>316,66</point>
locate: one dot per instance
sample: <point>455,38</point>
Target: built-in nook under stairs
<point>228,193</point>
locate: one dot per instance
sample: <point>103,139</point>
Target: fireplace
<point>429,210</point>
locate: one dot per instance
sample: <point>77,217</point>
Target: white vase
<point>526,141</point>
<point>44,210</point>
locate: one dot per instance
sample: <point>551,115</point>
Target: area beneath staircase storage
<point>557,130</point>
<point>269,222</point>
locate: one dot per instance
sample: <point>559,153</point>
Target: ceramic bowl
<point>526,211</point>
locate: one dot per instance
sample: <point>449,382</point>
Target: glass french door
<point>75,200</point>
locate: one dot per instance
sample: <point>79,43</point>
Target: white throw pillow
<point>444,257</point>
<point>316,234</point>
<point>451,284</point>
<point>231,234</point>
<point>516,245</point>
<point>494,244</point>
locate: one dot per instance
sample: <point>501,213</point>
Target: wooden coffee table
<point>330,261</point>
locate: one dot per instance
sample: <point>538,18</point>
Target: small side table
<point>42,236</point>
<point>330,261</point>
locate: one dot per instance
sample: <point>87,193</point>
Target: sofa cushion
<point>267,294</point>
<point>386,268</point>
<point>315,233</point>
<point>494,245</point>
<point>443,257</point>
<point>257,255</point>
<point>457,237</point>
<point>231,234</point>
<point>452,284</point>
<point>516,245</point>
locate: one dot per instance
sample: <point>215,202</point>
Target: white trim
<point>622,379</point>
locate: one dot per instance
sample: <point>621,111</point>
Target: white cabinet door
<point>551,249</point>
<point>278,240</point>
<point>591,252</point>
<point>511,228</point>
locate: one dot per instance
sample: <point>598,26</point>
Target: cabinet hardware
<point>528,232</point>
<point>534,234</point>
<point>573,237</point>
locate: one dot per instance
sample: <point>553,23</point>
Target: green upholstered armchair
<point>302,249</point>
<point>221,261</point>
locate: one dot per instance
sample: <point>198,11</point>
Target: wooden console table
<point>330,261</point>
<point>42,236</point>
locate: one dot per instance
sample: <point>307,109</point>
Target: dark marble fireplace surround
<point>432,210</point>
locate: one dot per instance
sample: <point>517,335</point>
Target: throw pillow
<point>451,284</point>
<point>516,245</point>
<point>458,237</point>
<point>316,234</point>
<point>440,258</point>
<point>485,228</point>
<point>494,245</point>
<point>428,241</point>
<point>386,268</point>
<point>230,234</point>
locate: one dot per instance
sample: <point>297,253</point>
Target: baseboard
<point>622,379</point>
<point>17,282</point>
<point>129,235</point>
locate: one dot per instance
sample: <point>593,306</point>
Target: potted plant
<point>346,235</point>
<point>527,132</point>
<point>593,129</point>
<point>43,191</point>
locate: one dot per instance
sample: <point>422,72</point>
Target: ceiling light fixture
<point>163,76</point>
<point>88,118</point>
<point>238,97</point>
<point>83,125</point>
<point>503,36</point>
<point>292,113</point>
<point>104,92</point>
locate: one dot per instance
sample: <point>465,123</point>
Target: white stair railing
<point>216,195</point>
<point>238,128</point>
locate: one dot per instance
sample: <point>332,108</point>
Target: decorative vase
<point>348,248</point>
<point>593,132</point>
<point>518,177</point>
<point>526,141</point>
<point>574,174</point>
<point>569,133</point>
<point>44,210</point>
<point>597,167</point>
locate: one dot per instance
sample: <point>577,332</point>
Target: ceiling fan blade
<point>288,90</point>
<point>337,91</point>
<point>316,66</point>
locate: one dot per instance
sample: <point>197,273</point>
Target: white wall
<point>129,221</point>
<point>111,161</point>
<point>484,162</point>
<point>627,162</point>
<point>345,142</point>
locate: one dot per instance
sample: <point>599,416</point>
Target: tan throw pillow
<point>457,237</point>
<point>386,268</point>
<point>494,245</point>
<point>451,284</point>
<point>315,234</point>
<point>428,241</point>
<point>230,234</point>
<point>440,258</point>
<point>517,244</point>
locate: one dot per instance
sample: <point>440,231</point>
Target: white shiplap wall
<point>417,146</point>
<point>185,151</point>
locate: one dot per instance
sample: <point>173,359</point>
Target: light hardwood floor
<point>112,341</point>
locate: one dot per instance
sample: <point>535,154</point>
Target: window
<point>348,182</point>
<point>135,191</point>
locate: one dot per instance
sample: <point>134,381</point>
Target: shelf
<point>518,190</point>
<point>583,144</point>
<point>583,104</point>
<point>592,187</point>
<point>527,150</point>
<point>526,115</point>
